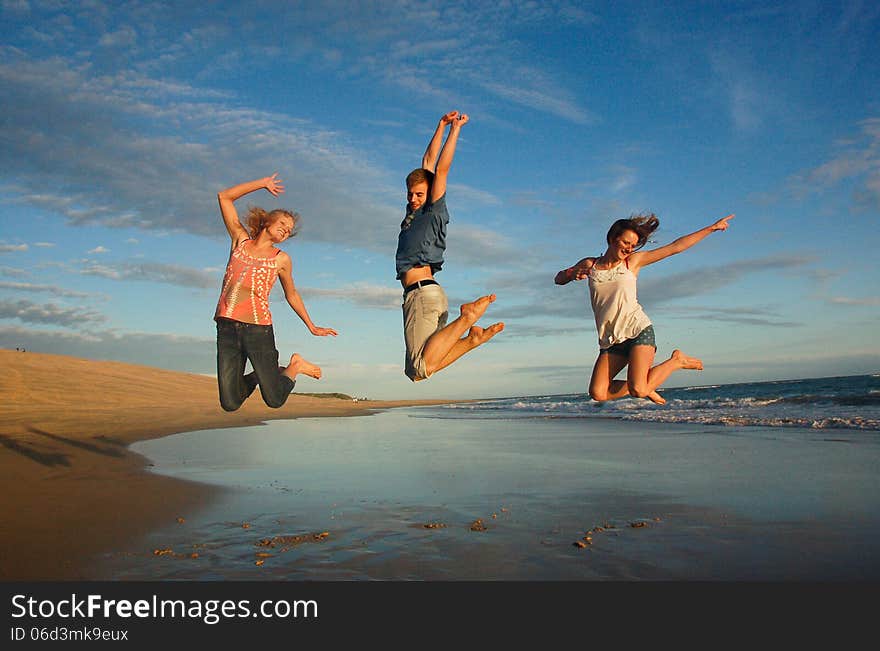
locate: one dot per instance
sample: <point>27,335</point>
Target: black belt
<point>419,283</point>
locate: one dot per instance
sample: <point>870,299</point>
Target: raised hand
<point>273,184</point>
<point>449,117</point>
<point>721,224</point>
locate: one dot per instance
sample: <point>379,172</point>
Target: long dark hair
<point>643,225</point>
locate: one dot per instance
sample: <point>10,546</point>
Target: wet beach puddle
<point>375,498</point>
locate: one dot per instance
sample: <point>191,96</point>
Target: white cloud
<point>12,272</point>
<point>99,249</point>
<point>16,6</point>
<point>33,287</point>
<point>470,194</point>
<point>91,127</point>
<point>871,301</point>
<point>125,37</point>
<point>48,313</point>
<point>153,272</point>
<point>361,294</point>
<point>532,92</point>
<point>856,160</point>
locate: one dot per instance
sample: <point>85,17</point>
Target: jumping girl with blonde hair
<point>244,322</point>
<point>626,335</point>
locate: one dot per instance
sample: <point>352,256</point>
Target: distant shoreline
<point>71,488</point>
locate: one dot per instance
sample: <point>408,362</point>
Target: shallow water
<point>398,495</point>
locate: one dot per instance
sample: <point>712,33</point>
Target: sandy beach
<point>524,489</point>
<point>71,488</point>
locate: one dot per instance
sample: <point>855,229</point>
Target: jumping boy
<point>431,344</point>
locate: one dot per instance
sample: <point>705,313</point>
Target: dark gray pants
<point>238,342</point>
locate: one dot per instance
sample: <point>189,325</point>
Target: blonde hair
<point>258,220</point>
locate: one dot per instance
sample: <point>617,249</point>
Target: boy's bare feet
<point>299,365</point>
<point>478,335</point>
<point>471,312</point>
<point>656,398</point>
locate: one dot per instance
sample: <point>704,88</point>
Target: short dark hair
<point>419,175</point>
<point>643,225</point>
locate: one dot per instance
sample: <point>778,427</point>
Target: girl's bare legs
<point>643,379</point>
<point>299,365</point>
<point>603,386</point>
<point>447,345</point>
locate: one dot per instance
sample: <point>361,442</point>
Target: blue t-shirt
<point>423,241</point>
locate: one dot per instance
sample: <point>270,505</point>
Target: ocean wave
<point>849,401</point>
<point>865,424</point>
<point>723,403</point>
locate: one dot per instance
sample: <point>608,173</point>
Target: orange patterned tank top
<point>246,287</point>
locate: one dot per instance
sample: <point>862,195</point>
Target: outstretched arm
<point>438,187</point>
<point>578,271</point>
<point>295,300</point>
<point>644,258</point>
<point>228,197</point>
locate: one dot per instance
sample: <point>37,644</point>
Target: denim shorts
<point>644,338</point>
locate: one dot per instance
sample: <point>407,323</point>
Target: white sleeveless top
<point>615,305</point>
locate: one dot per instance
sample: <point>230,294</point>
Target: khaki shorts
<point>425,311</point>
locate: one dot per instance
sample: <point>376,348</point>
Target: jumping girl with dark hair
<point>244,322</point>
<point>626,336</point>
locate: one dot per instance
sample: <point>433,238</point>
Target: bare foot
<point>479,336</point>
<point>656,398</point>
<point>299,365</point>
<point>471,312</point>
<point>686,362</point>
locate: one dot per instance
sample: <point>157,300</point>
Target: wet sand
<point>71,487</point>
<point>406,494</point>
<point>431,494</point>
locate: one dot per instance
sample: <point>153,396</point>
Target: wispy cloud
<point>707,279</point>
<point>153,272</point>
<point>748,101</point>
<point>48,313</point>
<point>360,294</point>
<point>531,91</point>
<point>869,301</point>
<point>469,194</point>
<point>10,248</point>
<point>856,160</point>
<point>135,126</point>
<point>743,315</point>
<point>34,287</point>
<point>537,295</point>
<point>94,127</point>
<point>12,272</point>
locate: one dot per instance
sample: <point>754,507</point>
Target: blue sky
<point>122,120</point>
